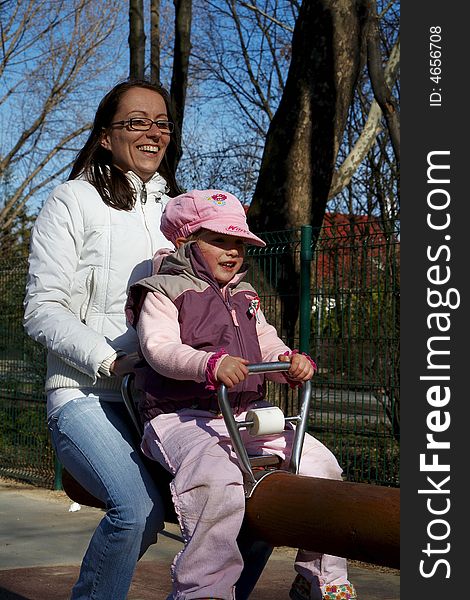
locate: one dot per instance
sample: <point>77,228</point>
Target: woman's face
<point>138,151</point>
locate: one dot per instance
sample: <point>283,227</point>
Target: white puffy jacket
<point>84,255</point>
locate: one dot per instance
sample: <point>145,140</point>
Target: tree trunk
<point>305,134</point>
<point>155,41</point>
<point>179,80</point>
<point>136,39</point>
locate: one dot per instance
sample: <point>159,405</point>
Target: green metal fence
<point>332,293</point>
<point>25,450</point>
<point>346,316</point>
<point>355,335</point>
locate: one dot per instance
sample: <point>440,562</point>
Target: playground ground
<point>42,543</point>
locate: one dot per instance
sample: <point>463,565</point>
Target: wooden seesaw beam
<point>353,520</point>
<point>358,521</point>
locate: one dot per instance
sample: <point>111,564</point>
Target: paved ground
<point>42,543</point>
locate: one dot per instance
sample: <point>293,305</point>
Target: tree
<point>155,38</point>
<point>239,65</point>
<point>307,129</point>
<point>363,130</point>
<point>52,53</point>
<point>136,39</point>
<point>304,137</point>
<point>181,51</point>
<point>381,87</point>
<point>297,115</point>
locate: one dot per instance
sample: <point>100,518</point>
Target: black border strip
<point>435,206</point>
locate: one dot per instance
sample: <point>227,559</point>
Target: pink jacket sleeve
<point>271,345</point>
<point>161,345</point>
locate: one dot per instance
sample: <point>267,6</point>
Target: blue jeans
<point>95,442</point>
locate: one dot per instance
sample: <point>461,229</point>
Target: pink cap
<point>214,210</point>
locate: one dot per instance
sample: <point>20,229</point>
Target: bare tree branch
<point>382,92</point>
<point>246,57</point>
<point>264,14</point>
<point>368,136</point>
<point>16,202</point>
<point>51,51</point>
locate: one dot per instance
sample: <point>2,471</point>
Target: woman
<point>95,236</point>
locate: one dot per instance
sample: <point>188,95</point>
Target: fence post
<point>57,473</point>
<point>306,256</point>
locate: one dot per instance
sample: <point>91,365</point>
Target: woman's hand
<point>232,370</point>
<point>301,368</point>
<point>125,364</point>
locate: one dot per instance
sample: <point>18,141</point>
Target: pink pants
<point>209,498</point>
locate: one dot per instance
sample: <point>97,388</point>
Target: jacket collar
<point>188,258</point>
<point>156,186</point>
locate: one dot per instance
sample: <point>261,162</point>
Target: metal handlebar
<point>234,426</point>
<point>268,367</point>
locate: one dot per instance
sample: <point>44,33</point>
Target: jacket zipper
<point>91,291</point>
<point>143,194</point>
<point>241,345</point>
<point>143,202</point>
<point>233,316</point>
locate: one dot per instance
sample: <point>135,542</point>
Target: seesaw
<point>355,520</point>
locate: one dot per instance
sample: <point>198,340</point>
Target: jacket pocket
<point>90,293</point>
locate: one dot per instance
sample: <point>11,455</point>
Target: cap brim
<point>249,238</point>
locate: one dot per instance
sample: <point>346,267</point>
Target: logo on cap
<point>236,228</point>
<point>218,199</point>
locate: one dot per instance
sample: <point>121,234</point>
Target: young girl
<point>199,325</point>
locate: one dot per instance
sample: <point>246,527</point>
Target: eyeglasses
<point>144,124</point>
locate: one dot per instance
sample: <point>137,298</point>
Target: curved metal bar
<point>127,398</point>
<point>233,426</point>
<point>301,428</point>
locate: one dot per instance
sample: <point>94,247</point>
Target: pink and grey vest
<point>207,321</point>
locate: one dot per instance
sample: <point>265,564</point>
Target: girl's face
<point>138,151</point>
<point>223,254</point>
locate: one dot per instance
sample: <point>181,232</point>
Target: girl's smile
<point>223,254</point>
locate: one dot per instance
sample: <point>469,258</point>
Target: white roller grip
<point>266,421</point>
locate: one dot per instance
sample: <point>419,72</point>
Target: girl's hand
<point>301,368</point>
<point>232,370</point>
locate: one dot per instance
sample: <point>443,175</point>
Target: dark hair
<point>96,162</point>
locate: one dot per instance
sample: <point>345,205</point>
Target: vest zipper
<point>228,304</point>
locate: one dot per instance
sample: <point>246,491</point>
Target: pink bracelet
<point>292,383</point>
<point>211,381</point>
